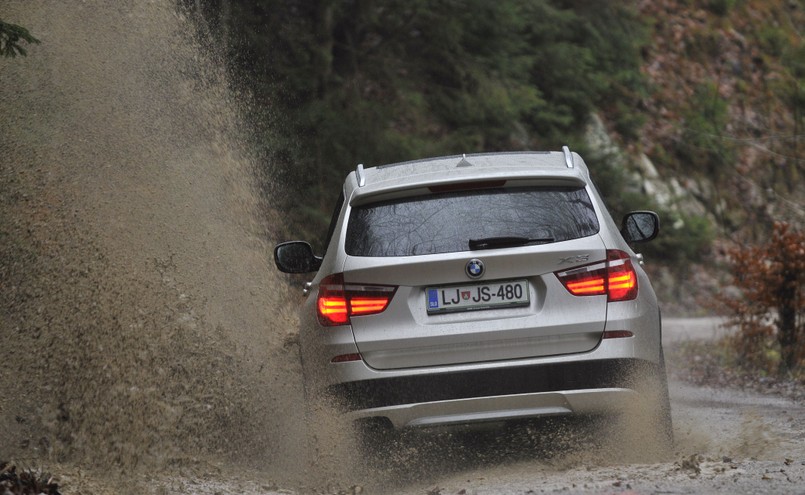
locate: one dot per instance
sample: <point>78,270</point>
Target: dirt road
<point>727,441</point>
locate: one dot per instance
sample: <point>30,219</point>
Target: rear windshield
<point>445,222</point>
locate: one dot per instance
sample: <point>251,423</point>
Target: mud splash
<point>142,322</point>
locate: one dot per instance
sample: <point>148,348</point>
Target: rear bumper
<point>500,408</point>
<point>495,394</point>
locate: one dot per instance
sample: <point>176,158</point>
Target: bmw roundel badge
<point>475,268</point>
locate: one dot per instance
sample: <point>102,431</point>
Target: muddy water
<point>143,324</point>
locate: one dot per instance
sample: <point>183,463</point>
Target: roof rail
<point>360,175</point>
<point>568,156</point>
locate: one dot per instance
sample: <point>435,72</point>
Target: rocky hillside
<point>725,113</point>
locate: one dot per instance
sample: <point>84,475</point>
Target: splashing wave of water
<point>142,324</point>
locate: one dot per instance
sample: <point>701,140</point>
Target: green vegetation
<point>351,82</point>
<point>705,148</point>
<point>10,37</point>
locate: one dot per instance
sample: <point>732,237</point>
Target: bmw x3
<point>479,288</point>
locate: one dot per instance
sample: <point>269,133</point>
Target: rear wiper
<point>502,242</point>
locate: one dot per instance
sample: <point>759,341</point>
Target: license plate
<point>511,293</point>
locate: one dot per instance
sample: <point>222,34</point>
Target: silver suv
<point>480,288</point>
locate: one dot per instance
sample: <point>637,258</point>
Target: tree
<point>771,306</point>
<point>10,37</point>
<point>341,82</point>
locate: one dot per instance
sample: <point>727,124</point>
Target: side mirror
<point>296,257</point>
<point>640,226</point>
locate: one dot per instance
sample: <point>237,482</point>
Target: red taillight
<point>614,277</point>
<point>332,304</point>
<point>622,277</point>
<point>588,280</point>
<point>368,305</point>
<point>338,302</point>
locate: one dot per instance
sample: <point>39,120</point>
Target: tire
<point>648,428</point>
<point>663,414</point>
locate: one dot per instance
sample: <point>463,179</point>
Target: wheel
<point>646,428</point>
<point>663,413</point>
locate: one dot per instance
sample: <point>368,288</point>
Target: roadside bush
<point>10,37</point>
<point>769,309</point>
<point>27,481</point>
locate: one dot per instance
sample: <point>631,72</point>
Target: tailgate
<point>516,309</point>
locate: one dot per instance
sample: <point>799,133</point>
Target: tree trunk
<point>787,319</point>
